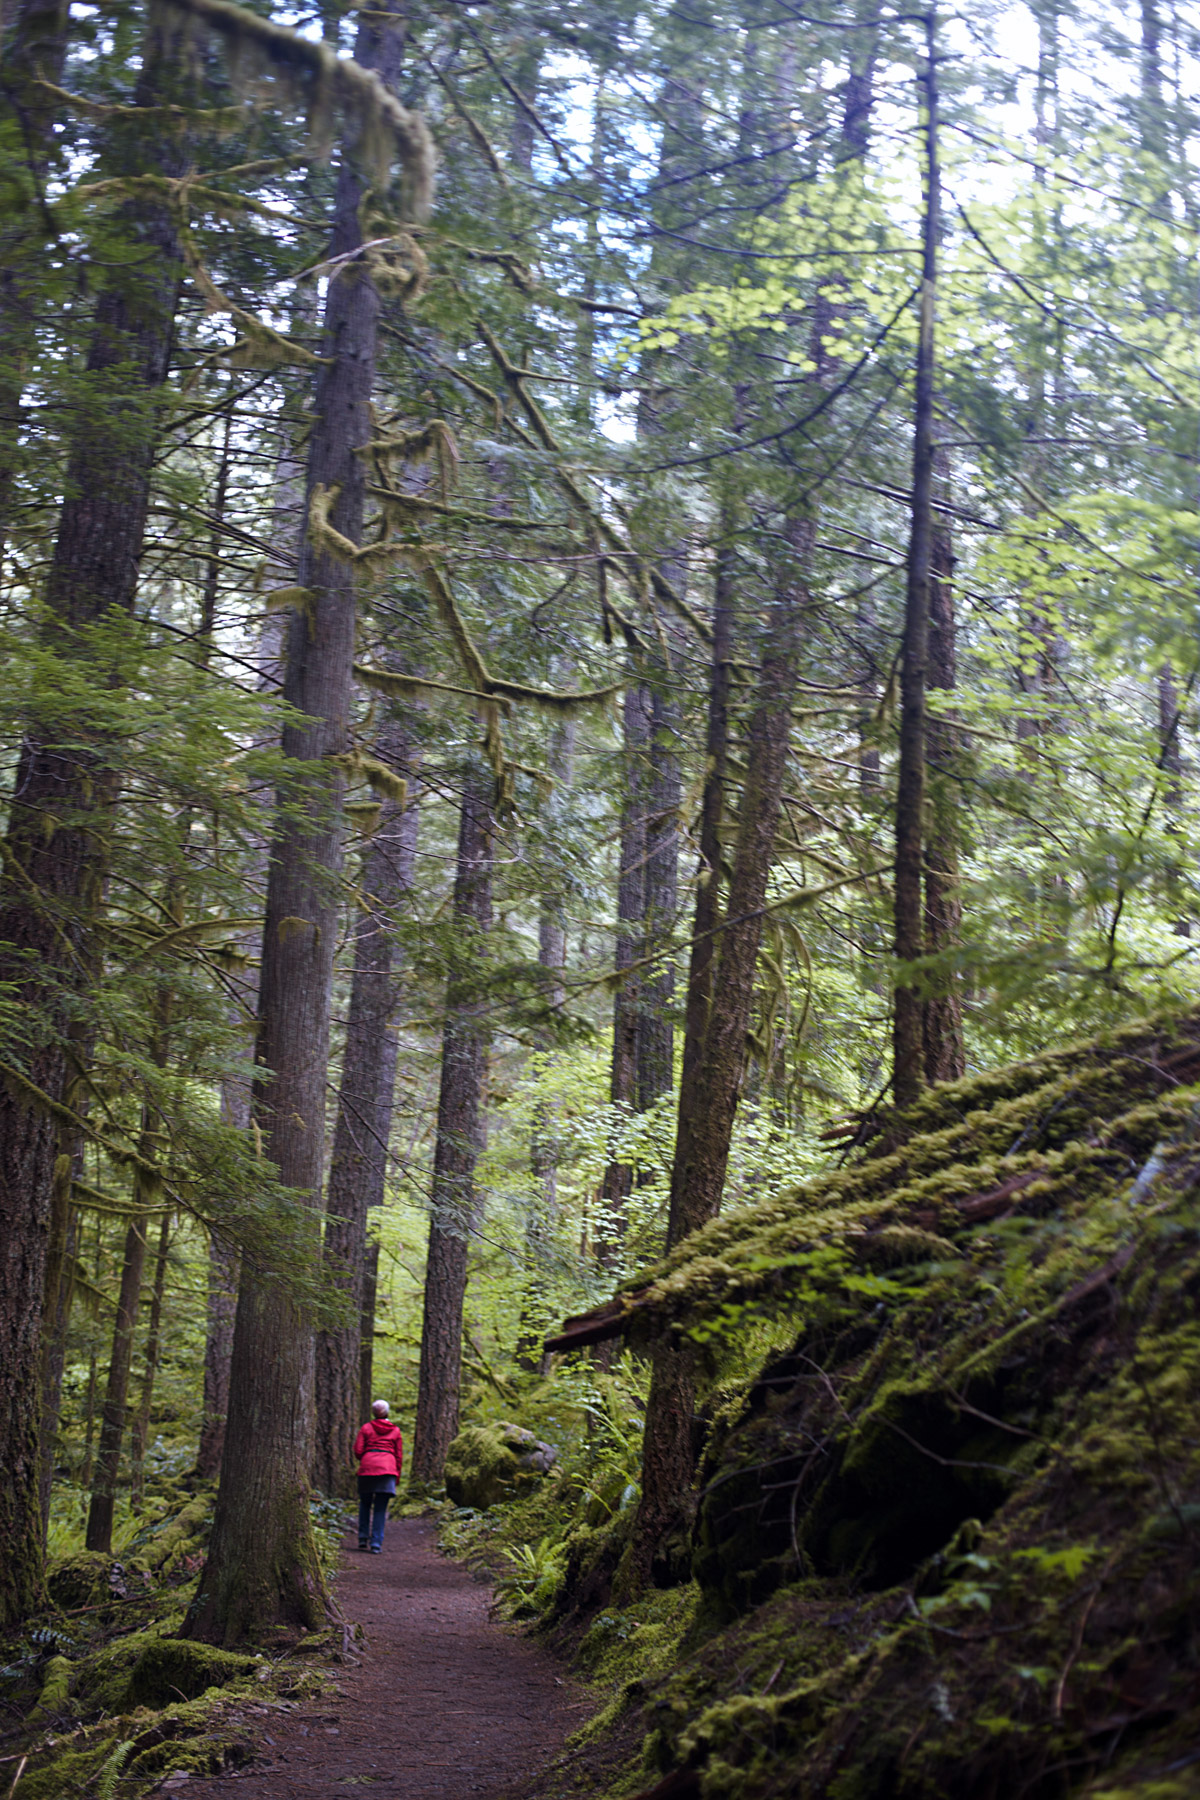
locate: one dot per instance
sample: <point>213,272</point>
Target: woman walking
<point>380,1452</point>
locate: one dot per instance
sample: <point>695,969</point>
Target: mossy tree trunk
<point>66,783</point>
<point>263,1572</point>
<point>358,1166</point>
<point>460,1123</point>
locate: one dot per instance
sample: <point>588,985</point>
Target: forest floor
<point>446,1703</point>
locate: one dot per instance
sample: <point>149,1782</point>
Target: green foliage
<point>110,1771</point>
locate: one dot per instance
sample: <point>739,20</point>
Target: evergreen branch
<point>664,589</point>
<point>478,136</point>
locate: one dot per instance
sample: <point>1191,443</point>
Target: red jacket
<point>379,1448</point>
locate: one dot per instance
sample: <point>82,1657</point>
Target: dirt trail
<point>445,1705</point>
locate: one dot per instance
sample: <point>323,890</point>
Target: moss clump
<point>490,1463</point>
<point>70,1772</point>
<point>88,1579</point>
<point>56,1689</point>
<point>101,1681</point>
<point>169,1668</point>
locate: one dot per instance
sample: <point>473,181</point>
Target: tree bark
<point>712,812</point>
<point>945,1052</point>
<point>366,1331</point>
<point>221,1306</point>
<point>139,1436</point>
<point>112,1413</point>
<point>63,1248</point>
<point>543,1137</point>
<point>656,1029</point>
<point>358,1167</point>
<point>453,1199</point>
<point>33,54</point>
<point>66,782</point>
<point>287,537</point>
<point>263,1571</point>
<point>631,889</point>
<point>908,1050</point>
<point>702,1146</point>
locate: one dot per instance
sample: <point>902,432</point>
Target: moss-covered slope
<point>948,1543</point>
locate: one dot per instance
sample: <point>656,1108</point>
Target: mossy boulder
<point>489,1463</point>
<point>948,1537</point>
<point>89,1579</point>
<point>101,1680</point>
<point>170,1669</point>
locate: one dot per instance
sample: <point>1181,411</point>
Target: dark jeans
<point>374,1492</point>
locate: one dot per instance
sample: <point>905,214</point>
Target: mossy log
<point>56,1689</point>
<point>948,1537</point>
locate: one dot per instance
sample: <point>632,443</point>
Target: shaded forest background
<point>590,598</point>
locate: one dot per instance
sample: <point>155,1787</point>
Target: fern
<point>110,1772</point>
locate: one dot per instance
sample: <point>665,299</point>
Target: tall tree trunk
<point>221,1306</point>
<point>712,812</point>
<point>656,1031</point>
<point>60,1291</point>
<point>112,1414</point>
<point>287,536</point>
<point>703,1142</point>
<point>945,1052</point>
<point>89,1409</point>
<point>631,890</point>
<point>543,1136</point>
<point>908,1049</point>
<point>453,1198</point>
<point>33,52</point>
<point>55,856</point>
<point>139,1436</point>
<point>263,1571</point>
<point>366,1330</point>
<point>724,981</point>
<point>358,1167</point>
<point>1170,759</point>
